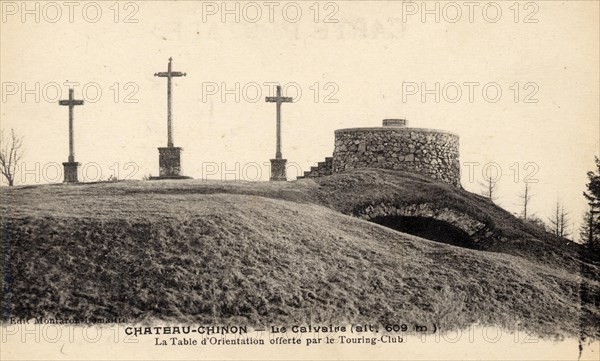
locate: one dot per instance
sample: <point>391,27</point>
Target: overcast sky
<point>347,64</point>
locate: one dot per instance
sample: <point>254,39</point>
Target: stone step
<point>327,166</point>
<point>321,169</point>
<point>314,171</point>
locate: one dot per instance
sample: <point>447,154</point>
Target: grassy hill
<point>291,252</point>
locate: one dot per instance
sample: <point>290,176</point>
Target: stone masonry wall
<point>427,152</point>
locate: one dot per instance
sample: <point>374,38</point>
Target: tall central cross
<point>71,103</point>
<point>169,74</point>
<point>278,99</point>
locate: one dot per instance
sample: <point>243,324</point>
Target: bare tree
<point>564,226</point>
<point>11,151</point>
<point>525,199</point>
<point>559,221</point>
<point>490,185</point>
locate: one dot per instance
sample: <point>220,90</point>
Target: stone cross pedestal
<point>169,157</point>
<point>70,172</point>
<point>169,163</point>
<point>70,167</point>
<point>278,171</point>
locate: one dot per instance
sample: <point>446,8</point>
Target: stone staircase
<point>322,169</point>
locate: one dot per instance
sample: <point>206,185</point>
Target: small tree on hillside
<point>11,151</point>
<point>586,233</point>
<point>559,221</point>
<point>590,230</point>
<point>532,219</point>
<point>490,185</point>
<point>525,199</point>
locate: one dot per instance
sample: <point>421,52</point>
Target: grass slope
<point>263,253</point>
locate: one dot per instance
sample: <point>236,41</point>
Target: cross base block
<point>278,171</point>
<point>70,172</point>
<point>169,163</point>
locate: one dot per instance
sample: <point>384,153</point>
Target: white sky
<point>366,55</point>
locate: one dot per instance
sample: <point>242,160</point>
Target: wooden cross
<point>71,103</point>
<point>278,99</point>
<point>169,74</point>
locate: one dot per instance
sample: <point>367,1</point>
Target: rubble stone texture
<point>428,152</point>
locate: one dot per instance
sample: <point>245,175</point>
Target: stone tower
<point>428,152</point>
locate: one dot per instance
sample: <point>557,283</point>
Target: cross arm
<point>69,102</point>
<point>169,75</point>
<point>279,99</point>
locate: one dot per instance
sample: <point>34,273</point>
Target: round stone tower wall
<point>428,152</point>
